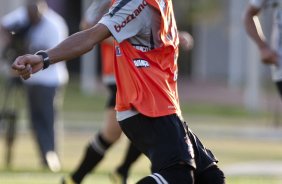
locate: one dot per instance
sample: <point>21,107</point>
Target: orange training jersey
<point>107,58</point>
<point>147,80</point>
<point>108,55</point>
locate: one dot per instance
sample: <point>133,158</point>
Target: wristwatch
<point>45,57</point>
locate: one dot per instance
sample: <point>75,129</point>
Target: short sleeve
<point>257,3</point>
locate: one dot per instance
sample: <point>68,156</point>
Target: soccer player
<point>147,106</point>
<point>111,131</point>
<point>270,53</point>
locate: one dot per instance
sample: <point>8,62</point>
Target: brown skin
<point>268,55</point>
<point>72,47</point>
<point>34,14</point>
<point>111,130</point>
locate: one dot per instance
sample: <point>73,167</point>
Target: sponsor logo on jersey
<point>141,63</point>
<point>129,18</point>
<point>141,48</point>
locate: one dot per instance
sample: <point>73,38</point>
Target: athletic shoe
<point>53,162</point>
<point>67,180</point>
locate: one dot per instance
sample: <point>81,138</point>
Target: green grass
<point>26,169</point>
<point>26,164</point>
<point>255,180</point>
<point>219,127</point>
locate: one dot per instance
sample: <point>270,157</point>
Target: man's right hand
<point>269,56</point>
<point>27,64</point>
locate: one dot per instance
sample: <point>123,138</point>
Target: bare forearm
<point>254,30</point>
<point>70,48</point>
<point>78,44</point>
<point>253,27</point>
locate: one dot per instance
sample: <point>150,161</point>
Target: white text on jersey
<point>140,63</point>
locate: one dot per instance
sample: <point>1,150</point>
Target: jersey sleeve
<point>126,18</point>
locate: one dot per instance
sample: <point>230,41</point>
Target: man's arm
<point>253,28</point>
<point>72,47</point>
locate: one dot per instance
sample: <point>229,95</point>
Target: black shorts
<point>204,158</point>
<point>111,102</point>
<point>165,142</point>
<point>279,87</point>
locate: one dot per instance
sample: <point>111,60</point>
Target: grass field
<point>234,136</point>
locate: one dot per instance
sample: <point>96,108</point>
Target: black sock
<point>93,155</point>
<point>131,156</point>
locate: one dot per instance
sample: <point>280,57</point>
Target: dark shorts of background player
<point>111,102</point>
<point>164,141</point>
<point>279,87</point>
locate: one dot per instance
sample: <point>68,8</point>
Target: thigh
<point>163,139</point>
<point>111,130</point>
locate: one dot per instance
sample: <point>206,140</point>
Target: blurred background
<point>226,93</point>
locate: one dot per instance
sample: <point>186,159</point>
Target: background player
<point>270,54</point>
<point>111,131</point>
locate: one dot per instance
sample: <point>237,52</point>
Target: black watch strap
<point>45,57</point>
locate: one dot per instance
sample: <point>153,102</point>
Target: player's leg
<point>98,146</point>
<point>121,173</point>
<point>96,150</point>
<point>42,114</point>
<point>207,171</point>
<point>165,142</point>
<point>111,130</point>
